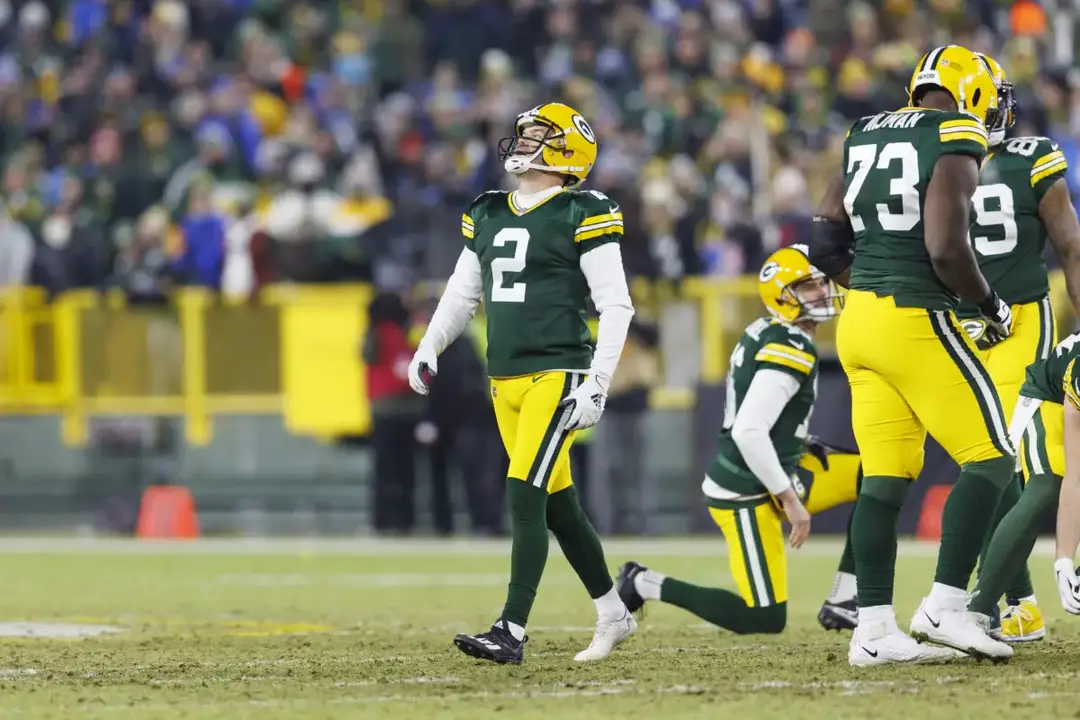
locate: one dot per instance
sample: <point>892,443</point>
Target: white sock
<point>877,614</point>
<point>516,630</point>
<point>844,588</point>
<point>648,584</point>
<point>1030,599</point>
<point>947,597</point>
<point>609,607</point>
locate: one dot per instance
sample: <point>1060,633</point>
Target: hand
<point>999,321</point>
<point>1068,585</point>
<point>818,449</point>
<point>423,369</point>
<point>797,516</point>
<point>587,402</point>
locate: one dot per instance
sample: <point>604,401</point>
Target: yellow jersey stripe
<point>598,226</point>
<point>1046,159</point>
<point>1067,385</point>
<point>466,220</point>
<point>615,228</point>
<point>970,136</point>
<point>783,359</point>
<point>792,351</point>
<point>598,219</point>
<point>467,232</point>
<point>1059,166</point>
<point>964,124</point>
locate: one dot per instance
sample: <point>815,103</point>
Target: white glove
<point>423,369</point>
<point>1068,585</point>
<point>587,402</point>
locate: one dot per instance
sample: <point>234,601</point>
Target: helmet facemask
<point>817,297</point>
<point>524,151</point>
<point>1000,119</point>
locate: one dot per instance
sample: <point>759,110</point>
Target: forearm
<point>957,267</point>
<point>457,304</point>
<point>946,219</point>
<point>1068,517</point>
<point>603,270</point>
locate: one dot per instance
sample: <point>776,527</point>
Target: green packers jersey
<point>767,343</point>
<point>1006,231</point>
<point>1053,378</point>
<point>535,294</point>
<point>888,161</point>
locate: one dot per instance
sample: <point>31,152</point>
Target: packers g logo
<point>584,129</point>
<point>975,328</point>
<point>768,272</point>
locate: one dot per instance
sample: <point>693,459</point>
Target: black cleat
<point>497,645</point>
<point>839,616</point>
<point>624,584</point>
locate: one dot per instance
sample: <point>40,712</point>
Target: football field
<point>362,629</point>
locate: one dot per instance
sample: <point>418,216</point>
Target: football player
<point>1062,438</point>
<point>764,469</point>
<point>894,229</point>
<point>1022,200</point>
<point>536,256</point>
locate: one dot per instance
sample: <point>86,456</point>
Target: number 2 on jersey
<point>515,293</point>
<point>862,159</point>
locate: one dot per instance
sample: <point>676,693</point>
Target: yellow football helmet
<point>793,290</point>
<point>1004,117</point>
<point>568,145</point>
<point>959,72</point>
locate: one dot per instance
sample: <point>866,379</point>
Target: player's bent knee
<point>769,620</point>
<point>892,490</point>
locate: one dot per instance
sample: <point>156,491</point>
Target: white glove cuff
<point>1064,565</point>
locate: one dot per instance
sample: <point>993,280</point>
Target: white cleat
<point>958,629</point>
<point>882,643</point>
<point>607,637</point>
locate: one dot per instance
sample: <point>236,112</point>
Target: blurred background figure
<point>395,411</point>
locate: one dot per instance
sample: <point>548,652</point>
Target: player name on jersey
<point>893,121</point>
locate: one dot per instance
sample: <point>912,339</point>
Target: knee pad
<point>887,489</point>
<point>998,471</point>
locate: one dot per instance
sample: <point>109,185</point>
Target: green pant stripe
<point>770,592</point>
<point>952,339</point>
<point>554,437</point>
<point>755,570</point>
<point>1040,441</point>
<point>1046,329</point>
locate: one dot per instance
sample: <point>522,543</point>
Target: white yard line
<point>705,545</point>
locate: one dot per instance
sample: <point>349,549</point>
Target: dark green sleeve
<point>781,350</point>
<point>1048,167</point>
<point>600,221</point>
<point>961,134</point>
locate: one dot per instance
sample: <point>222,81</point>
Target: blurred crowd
<point>234,143</point>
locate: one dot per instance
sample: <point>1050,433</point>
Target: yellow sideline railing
<point>294,353</point>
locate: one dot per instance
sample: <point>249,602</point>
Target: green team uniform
<point>1007,233</point>
<point>770,344</point>
<point>888,161</point>
<point>1048,379</point>
<point>535,294</point>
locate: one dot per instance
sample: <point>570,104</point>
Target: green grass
<point>363,630</point>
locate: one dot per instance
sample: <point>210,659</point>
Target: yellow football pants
<point>913,370</point>
<point>755,534</point>
<point>533,426</point>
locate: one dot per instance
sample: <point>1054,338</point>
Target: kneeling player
<point>763,461</point>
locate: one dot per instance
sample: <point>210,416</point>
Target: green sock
<point>967,516</point>
<point>723,608</point>
<point>847,558</point>
<point>873,537</point>
<point>579,541</point>
<point>1013,540</point>
<point>1020,586</point>
<point>529,548</point>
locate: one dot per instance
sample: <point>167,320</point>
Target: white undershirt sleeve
<point>768,395</point>
<point>457,304</point>
<point>603,270</point>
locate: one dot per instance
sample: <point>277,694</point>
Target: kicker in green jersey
<point>1056,377</point>
<point>767,343</point>
<point>1007,233</point>
<point>888,161</point>
<point>535,294</point>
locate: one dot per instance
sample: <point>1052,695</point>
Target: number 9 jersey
<point>888,161</point>
<point>535,294</point>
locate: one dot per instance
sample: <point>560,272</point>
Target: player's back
<point>888,161</point>
<point>1007,232</point>
<point>767,343</point>
<point>1049,379</point>
<point>535,295</point>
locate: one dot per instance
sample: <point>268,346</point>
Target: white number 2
<point>861,161</point>
<point>516,292</point>
<point>1005,216</point>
